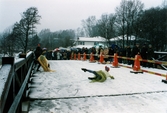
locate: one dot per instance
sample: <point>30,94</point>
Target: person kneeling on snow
<point>100,76</point>
<point>44,63</point>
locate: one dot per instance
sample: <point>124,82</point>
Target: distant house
<point>90,42</point>
<point>131,39</point>
<point>100,41</point>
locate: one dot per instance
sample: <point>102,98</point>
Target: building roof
<point>92,39</point>
<point>121,38</point>
<point>132,38</point>
<point>83,46</point>
<point>101,39</point>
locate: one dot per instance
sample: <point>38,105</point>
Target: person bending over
<point>100,76</point>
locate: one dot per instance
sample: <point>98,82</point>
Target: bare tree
<point>26,26</point>
<point>52,40</point>
<point>153,24</point>
<point>45,38</point>
<point>79,32</point>
<point>8,43</point>
<point>164,4</point>
<point>102,25</point>
<point>34,41</point>
<point>120,18</point>
<point>134,11</point>
<point>127,13</point>
<point>106,26</point>
<point>88,26</point>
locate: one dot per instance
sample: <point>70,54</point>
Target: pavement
<point>68,90</point>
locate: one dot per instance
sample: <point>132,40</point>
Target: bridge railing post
<point>6,93</point>
<point>14,76</point>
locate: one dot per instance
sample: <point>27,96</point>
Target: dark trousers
<point>97,77</point>
<point>37,64</point>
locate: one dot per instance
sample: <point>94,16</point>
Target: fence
<point>14,76</point>
<point>161,60</point>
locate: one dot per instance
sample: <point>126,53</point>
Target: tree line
<point>20,37</point>
<point>130,19</point>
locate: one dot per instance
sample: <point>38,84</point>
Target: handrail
<point>5,85</point>
<point>17,99</point>
<point>13,81</point>
<point>160,52</point>
<point>162,64</point>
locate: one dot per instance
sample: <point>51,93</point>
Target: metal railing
<point>14,76</point>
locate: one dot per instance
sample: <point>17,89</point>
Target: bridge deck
<point>69,91</point>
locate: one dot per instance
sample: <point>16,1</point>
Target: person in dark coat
<point>38,51</point>
<point>144,54</point>
<point>150,55</point>
<point>98,52</point>
<point>93,51</point>
<point>123,54</point>
<point>135,51</point>
<point>111,53</point>
<point>120,54</point>
<point>128,54</point>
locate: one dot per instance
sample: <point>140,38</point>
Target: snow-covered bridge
<point>67,90</point>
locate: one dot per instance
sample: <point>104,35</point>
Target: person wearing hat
<point>38,51</point>
<point>150,55</point>
<point>144,51</point>
<point>44,63</point>
<point>100,76</point>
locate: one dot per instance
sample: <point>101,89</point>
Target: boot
<point>84,69</point>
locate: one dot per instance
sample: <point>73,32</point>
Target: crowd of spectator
<point>146,52</point>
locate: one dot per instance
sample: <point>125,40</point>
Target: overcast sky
<point>60,14</point>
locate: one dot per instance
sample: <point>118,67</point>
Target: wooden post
<point>7,60</point>
<point>6,95</point>
<point>22,55</point>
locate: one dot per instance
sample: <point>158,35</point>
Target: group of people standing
<point>146,52</point>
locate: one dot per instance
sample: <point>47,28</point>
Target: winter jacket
<point>38,52</point>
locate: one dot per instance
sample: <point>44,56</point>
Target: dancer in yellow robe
<point>100,76</point>
<point>44,63</point>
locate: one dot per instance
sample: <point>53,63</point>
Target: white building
<point>119,40</point>
<point>90,42</point>
<point>100,41</point>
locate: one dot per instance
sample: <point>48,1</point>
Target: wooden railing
<point>14,76</point>
<point>161,56</point>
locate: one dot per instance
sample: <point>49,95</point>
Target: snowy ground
<point>69,91</point>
